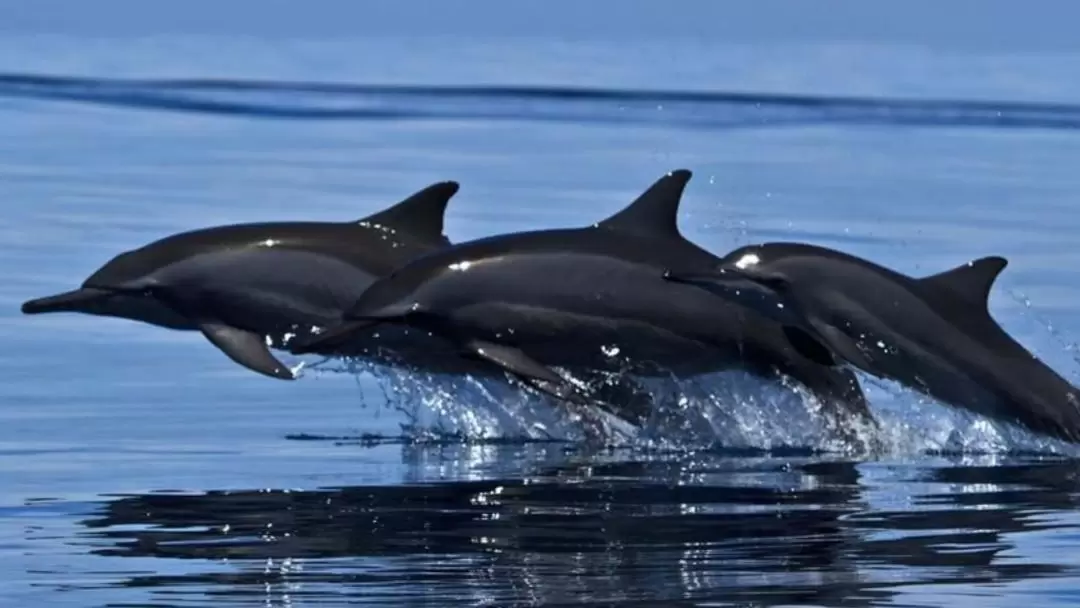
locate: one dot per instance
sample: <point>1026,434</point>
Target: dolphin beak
<point>71,301</point>
<point>729,277</point>
<point>330,338</point>
<point>354,321</point>
<point>720,276</point>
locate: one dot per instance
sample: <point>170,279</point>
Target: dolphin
<point>933,334</point>
<point>590,298</point>
<point>240,284</point>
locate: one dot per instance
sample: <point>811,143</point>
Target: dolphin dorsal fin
<point>971,282</point>
<point>655,212</point>
<point>963,296</point>
<point>421,214</point>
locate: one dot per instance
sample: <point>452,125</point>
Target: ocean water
<point>140,467</point>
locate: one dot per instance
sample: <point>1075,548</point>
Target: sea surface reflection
<point>626,528</point>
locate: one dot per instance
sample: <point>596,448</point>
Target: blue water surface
<point>140,467</point>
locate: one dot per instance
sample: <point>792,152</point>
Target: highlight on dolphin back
<point>243,284</point>
<point>589,298</point>
<point>932,334</point>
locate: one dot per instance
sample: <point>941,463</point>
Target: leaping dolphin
<point>933,334</point>
<point>589,298</point>
<point>239,284</point>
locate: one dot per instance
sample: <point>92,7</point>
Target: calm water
<point>139,467</point>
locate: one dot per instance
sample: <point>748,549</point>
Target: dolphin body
<point>590,298</point>
<point>933,334</point>
<point>241,284</point>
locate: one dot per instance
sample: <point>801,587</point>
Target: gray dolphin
<point>239,284</point>
<point>589,298</point>
<point>933,334</point>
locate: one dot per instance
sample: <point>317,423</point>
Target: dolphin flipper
<point>847,348</point>
<point>845,410</point>
<point>246,348</point>
<point>841,396</point>
<point>840,386</point>
<point>541,378</point>
<point>623,397</point>
<point>828,340</point>
<point>809,346</point>
<point>516,362</point>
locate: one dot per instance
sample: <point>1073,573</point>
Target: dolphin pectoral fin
<point>516,362</point>
<point>623,397</point>
<point>837,388</point>
<point>543,379</point>
<point>844,397</point>
<point>809,346</point>
<point>246,348</point>
<point>844,407</point>
<point>844,347</point>
<point>845,411</point>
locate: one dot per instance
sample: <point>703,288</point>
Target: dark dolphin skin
<point>588,298</point>
<point>933,334</point>
<point>241,283</point>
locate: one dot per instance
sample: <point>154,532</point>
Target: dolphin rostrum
<point>933,334</point>
<point>241,284</point>
<point>589,298</point>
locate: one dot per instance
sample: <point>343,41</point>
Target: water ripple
<point>687,109</point>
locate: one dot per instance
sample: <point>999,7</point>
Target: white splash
<point>730,409</point>
<point>298,369</point>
